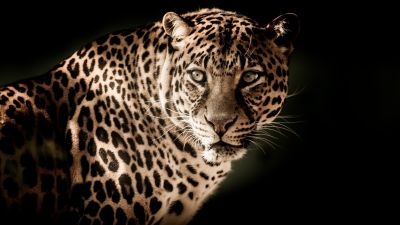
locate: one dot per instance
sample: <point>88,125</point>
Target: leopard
<point>140,126</point>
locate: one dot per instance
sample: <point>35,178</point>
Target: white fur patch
<point>210,155</point>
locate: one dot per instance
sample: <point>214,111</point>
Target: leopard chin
<point>221,152</point>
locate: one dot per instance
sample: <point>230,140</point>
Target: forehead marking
<point>226,37</point>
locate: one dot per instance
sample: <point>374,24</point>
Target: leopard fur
<point>140,126</point>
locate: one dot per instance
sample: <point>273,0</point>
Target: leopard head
<point>225,77</point>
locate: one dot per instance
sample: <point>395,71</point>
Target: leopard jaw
<point>213,154</point>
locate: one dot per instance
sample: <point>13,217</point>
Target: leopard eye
<point>250,77</point>
<point>197,76</point>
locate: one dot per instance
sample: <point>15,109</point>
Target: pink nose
<point>220,124</point>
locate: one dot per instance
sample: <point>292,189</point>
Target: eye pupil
<point>198,76</point>
<point>250,77</point>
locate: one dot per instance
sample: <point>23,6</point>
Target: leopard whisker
<point>296,92</point>
<point>166,130</point>
<point>281,126</point>
<point>182,132</point>
<point>264,140</point>
<point>263,132</point>
<point>257,146</point>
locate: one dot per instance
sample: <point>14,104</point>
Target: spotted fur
<point>141,125</point>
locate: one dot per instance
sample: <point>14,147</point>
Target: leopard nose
<point>220,124</point>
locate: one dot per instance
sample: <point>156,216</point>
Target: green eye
<point>250,77</point>
<point>197,76</point>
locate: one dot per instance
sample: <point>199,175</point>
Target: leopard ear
<point>283,30</point>
<point>176,27</point>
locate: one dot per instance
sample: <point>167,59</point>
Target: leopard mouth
<point>221,151</point>
<point>223,146</point>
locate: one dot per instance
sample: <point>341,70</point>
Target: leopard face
<point>228,78</point>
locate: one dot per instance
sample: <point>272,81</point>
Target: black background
<point>342,165</point>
